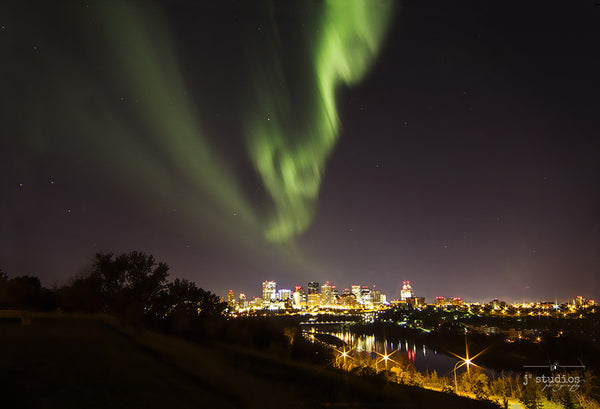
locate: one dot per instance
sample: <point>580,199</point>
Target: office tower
<point>297,297</point>
<point>284,294</point>
<point>326,294</point>
<point>376,297</point>
<point>269,290</point>
<point>335,295</point>
<point>313,287</point>
<point>242,302</point>
<point>365,295</point>
<point>406,292</point>
<point>230,298</point>
<point>356,292</point>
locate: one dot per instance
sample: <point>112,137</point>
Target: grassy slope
<point>86,363</point>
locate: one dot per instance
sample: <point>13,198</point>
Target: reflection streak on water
<point>420,358</point>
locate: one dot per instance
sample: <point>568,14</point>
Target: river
<point>423,358</point>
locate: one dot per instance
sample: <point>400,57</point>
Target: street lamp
<point>344,354</point>
<point>385,357</point>
<point>461,362</point>
<point>464,361</point>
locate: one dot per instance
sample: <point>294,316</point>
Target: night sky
<point>452,144</point>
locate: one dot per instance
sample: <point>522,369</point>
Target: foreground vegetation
<point>69,360</point>
<point>476,384</point>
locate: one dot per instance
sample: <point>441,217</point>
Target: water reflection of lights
<point>411,356</point>
<point>415,354</point>
<point>370,345</point>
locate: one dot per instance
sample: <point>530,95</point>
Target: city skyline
<point>452,145</point>
<point>405,291</point>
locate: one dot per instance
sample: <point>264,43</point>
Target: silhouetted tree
<point>134,285</point>
<point>184,304</point>
<point>22,292</point>
<point>83,293</point>
<point>26,293</point>
<point>129,283</point>
<point>180,297</point>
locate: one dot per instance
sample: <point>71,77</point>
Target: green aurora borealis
<point>291,156</point>
<point>109,91</point>
<point>290,159</point>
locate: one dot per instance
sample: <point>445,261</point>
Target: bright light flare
<point>466,360</point>
<point>344,353</point>
<point>385,357</point>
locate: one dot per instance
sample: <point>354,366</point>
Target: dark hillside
<point>71,362</point>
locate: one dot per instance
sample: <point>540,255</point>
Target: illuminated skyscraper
<point>356,292</point>
<point>242,302</point>
<point>299,298</point>
<point>326,294</point>
<point>313,287</point>
<point>269,291</point>
<point>284,294</point>
<point>365,295</point>
<point>230,298</point>
<point>406,292</point>
<point>376,297</point>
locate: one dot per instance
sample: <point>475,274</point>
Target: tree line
<point>132,286</point>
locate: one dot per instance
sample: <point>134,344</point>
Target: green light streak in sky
<point>290,155</point>
<point>150,75</point>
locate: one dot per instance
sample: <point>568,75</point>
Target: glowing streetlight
<point>466,360</point>
<point>385,357</point>
<point>344,353</point>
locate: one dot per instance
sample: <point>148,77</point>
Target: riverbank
<point>366,354</point>
<point>499,355</point>
<point>58,360</point>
